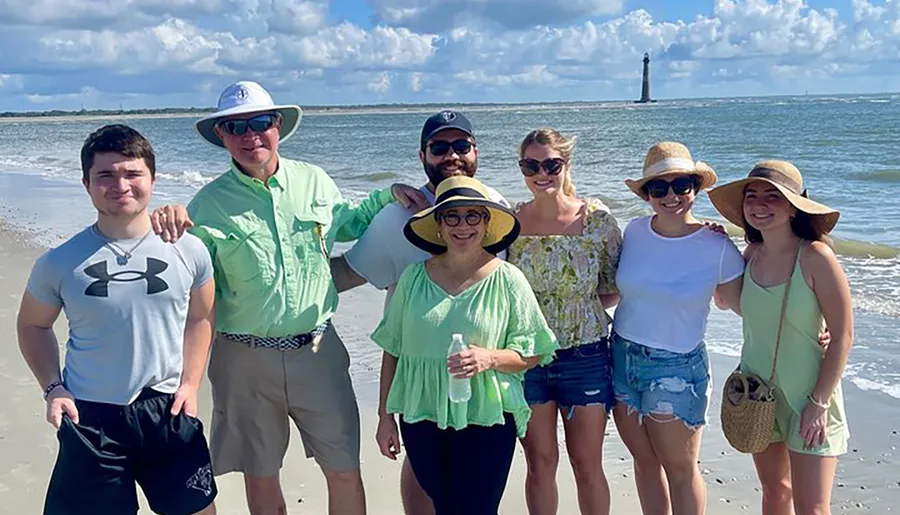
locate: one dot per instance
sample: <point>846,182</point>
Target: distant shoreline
<point>59,115</point>
<point>397,108</point>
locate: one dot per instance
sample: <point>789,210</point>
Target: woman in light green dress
<point>460,452</point>
<point>787,236</point>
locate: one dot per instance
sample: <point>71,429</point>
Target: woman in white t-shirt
<point>670,266</point>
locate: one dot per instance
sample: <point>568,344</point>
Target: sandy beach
<point>868,479</point>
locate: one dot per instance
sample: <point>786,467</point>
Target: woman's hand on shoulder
<point>716,227</point>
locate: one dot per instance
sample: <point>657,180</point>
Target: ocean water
<point>844,146</point>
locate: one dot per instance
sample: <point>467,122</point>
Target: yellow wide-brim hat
<point>668,158</point>
<point>461,191</point>
<point>729,198</point>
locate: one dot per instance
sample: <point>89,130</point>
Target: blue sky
<point>61,54</point>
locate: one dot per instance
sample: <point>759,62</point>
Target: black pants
<point>113,447</point>
<point>464,471</point>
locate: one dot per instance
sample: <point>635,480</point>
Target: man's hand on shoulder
<point>170,222</point>
<point>409,197</point>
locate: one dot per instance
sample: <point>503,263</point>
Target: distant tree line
<point>312,109</point>
<point>104,112</point>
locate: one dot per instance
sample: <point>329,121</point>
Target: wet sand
<point>868,477</point>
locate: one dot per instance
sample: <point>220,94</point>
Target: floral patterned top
<point>568,273</point>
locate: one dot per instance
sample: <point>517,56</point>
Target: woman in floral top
<point>568,250</point>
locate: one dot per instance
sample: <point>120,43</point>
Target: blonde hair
<point>564,145</point>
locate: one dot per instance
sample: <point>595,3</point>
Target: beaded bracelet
<point>817,403</point>
<point>50,387</point>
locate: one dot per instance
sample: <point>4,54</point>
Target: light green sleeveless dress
<point>799,358</point>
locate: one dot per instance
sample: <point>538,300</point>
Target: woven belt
<point>281,343</point>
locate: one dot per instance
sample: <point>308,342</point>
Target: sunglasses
<point>659,188</point>
<point>472,219</point>
<point>257,124</point>
<point>460,146</point>
<point>531,167</point>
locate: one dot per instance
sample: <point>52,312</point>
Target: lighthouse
<point>645,82</point>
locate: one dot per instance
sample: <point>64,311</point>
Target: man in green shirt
<point>269,224</point>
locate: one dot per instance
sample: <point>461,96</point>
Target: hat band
<point>459,192</point>
<point>670,163</point>
<point>776,176</point>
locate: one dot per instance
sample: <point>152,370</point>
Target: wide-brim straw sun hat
<point>246,97</point>
<point>784,176</point>
<point>668,158</point>
<point>461,191</point>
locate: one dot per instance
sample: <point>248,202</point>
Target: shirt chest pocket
<point>246,257</point>
<point>309,240</point>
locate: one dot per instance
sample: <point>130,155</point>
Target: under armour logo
<point>201,480</point>
<point>448,116</point>
<point>100,287</point>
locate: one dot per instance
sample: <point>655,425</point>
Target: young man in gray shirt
<point>140,314</point>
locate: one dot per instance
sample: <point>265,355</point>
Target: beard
<point>439,172</point>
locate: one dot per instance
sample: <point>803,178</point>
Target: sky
<point>107,54</point>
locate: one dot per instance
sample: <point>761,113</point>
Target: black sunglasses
<point>460,146</point>
<point>257,124</point>
<point>471,218</point>
<point>531,167</point>
<point>659,188</point>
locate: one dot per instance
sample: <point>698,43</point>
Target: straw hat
<point>461,191</point>
<point>729,198</point>
<point>245,97</point>
<point>669,158</point>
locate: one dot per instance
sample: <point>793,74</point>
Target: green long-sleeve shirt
<point>270,246</point>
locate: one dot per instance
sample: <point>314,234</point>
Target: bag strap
<point>784,303</point>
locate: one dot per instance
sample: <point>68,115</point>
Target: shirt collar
<point>251,182</point>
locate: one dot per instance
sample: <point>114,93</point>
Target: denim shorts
<point>579,376</point>
<point>657,382</point>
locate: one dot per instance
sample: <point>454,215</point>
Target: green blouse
<point>497,312</point>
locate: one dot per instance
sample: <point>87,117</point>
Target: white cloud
<point>533,76</point>
<point>297,16</point>
<point>381,84</point>
<point>415,82</point>
<point>496,50</point>
<point>95,14</point>
<point>439,15</point>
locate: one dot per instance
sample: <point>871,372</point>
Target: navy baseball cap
<point>445,120</point>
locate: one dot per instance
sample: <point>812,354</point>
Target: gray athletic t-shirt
<point>126,321</point>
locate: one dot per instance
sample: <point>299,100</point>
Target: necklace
<point>122,255</point>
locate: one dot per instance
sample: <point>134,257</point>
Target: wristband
<point>50,387</point>
<point>817,403</point>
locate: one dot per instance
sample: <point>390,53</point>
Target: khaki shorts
<point>256,391</point>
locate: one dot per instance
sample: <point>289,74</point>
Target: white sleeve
<point>731,265</point>
<point>371,257</point>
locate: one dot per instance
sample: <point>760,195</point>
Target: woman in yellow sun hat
<point>460,451</point>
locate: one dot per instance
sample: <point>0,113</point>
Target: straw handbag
<point>748,404</point>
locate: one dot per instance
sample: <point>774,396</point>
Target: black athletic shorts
<point>113,447</point>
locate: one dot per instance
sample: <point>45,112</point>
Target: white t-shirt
<point>383,252</point>
<point>666,284</point>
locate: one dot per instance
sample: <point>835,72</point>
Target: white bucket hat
<point>247,97</point>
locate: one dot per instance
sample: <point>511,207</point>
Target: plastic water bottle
<point>460,389</point>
